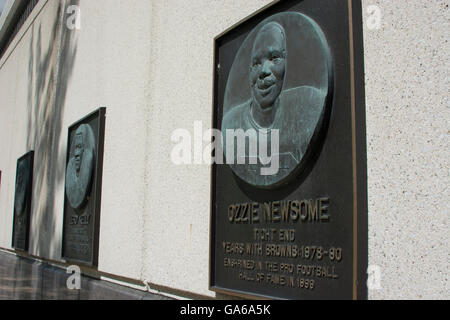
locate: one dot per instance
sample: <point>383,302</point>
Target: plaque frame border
<point>29,200</point>
<point>97,197</point>
<point>359,156</point>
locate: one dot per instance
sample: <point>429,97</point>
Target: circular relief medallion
<point>80,167</point>
<point>277,100</point>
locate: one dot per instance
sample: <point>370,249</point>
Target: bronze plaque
<point>289,206</point>
<point>22,202</point>
<point>83,189</point>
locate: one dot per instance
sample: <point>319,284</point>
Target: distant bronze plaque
<point>22,202</point>
<point>83,182</point>
<point>289,206</point>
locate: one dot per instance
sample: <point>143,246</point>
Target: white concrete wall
<point>407,94</point>
<point>151,64</point>
<point>59,76</point>
<point>24,88</point>
<point>178,199</point>
<point>111,69</point>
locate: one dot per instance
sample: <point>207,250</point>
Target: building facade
<point>151,65</point>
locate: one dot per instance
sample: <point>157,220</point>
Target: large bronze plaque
<point>83,189</point>
<point>22,202</point>
<point>292,74</point>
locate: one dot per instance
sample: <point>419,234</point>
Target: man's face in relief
<point>21,186</point>
<point>78,153</point>
<point>268,65</point>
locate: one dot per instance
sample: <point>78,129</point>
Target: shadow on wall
<point>49,73</point>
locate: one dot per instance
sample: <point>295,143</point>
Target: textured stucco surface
<point>150,63</point>
<point>27,92</point>
<point>178,198</point>
<point>56,76</point>
<point>408,112</point>
<point>111,70</point>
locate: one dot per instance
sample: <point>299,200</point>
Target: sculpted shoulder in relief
<point>80,167</point>
<point>287,63</point>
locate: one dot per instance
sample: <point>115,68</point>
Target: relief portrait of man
<point>22,183</point>
<point>80,167</point>
<point>280,80</point>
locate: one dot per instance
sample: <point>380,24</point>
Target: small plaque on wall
<point>22,202</point>
<point>83,183</point>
